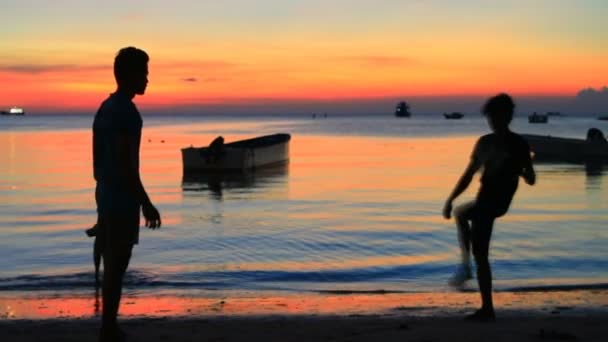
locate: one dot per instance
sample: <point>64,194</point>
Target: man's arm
<point>125,145</point>
<point>528,171</point>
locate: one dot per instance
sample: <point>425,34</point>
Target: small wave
<point>210,280</point>
<point>336,282</point>
<point>553,288</point>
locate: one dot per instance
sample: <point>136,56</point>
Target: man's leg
<point>481,232</point>
<point>116,256</point>
<point>97,251</point>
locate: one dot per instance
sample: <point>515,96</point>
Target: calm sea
<point>357,209</point>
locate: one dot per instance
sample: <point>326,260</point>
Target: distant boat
<point>239,156</point>
<point>453,115</point>
<point>554,114</point>
<point>568,150</point>
<point>603,118</point>
<point>402,110</point>
<point>538,118</point>
<point>13,111</point>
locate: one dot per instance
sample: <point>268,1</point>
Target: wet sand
<point>531,316</point>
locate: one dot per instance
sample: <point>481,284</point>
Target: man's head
<point>131,70</point>
<point>499,111</point>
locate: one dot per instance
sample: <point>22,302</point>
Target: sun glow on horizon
<point>312,51</point>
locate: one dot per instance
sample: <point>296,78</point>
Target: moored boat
<point>239,156</point>
<point>453,115</point>
<point>402,110</point>
<point>547,148</point>
<point>538,118</point>
<point>13,111</point>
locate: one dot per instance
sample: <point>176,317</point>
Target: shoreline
<point>571,315</point>
<point>37,306</point>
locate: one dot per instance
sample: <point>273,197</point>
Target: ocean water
<point>358,208</point>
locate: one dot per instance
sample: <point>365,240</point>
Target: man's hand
<point>151,215</point>
<point>447,210</point>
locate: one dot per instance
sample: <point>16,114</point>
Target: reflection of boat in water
<point>538,118</point>
<point>402,110</point>
<point>13,111</point>
<point>238,156</point>
<point>217,182</point>
<point>593,149</point>
<point>453,115</point>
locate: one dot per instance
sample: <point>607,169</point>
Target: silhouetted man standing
<point>120,193</point>
<point>504,157</point>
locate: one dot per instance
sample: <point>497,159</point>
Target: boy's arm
<point>461,186</point>
<point>466,178</point>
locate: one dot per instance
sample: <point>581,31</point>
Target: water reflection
<point>593,171</point>
<point>215,182</point>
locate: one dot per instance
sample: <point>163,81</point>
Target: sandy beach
<point>591,327</point>
<point>580,315</point>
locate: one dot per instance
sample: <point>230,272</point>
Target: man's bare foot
<point>113,334</point>
<point>482,315</point>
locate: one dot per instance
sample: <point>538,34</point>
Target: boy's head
<point>499,111</point>
<point>131,69</point>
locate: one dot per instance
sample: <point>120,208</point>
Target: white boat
<point>13,111</point>
<point>242,155</point>
<point>547,148</point>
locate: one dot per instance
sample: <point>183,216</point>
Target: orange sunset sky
<point>57,55</point>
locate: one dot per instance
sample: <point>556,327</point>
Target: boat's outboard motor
<point>595,136</point>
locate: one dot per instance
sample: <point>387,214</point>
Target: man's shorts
<point>119,229</point>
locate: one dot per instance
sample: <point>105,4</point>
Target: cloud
<point>131,17</point>
<point>215,79</point>
<point>47,68</point>
<point>591,100</point>
<point>205,80</point>
<point>381,61</point>
<point>592,94</point>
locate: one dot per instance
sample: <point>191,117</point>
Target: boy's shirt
<point>502,161</point>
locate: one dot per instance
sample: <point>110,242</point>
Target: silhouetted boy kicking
<point>504,156</point>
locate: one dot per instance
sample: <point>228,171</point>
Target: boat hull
<point>566,150</point>
<point>239,156</point>
<point>453,116</point>
<point>538,119</point>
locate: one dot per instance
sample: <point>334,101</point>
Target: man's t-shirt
<point>502,160</point>
<point>116,116</point>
